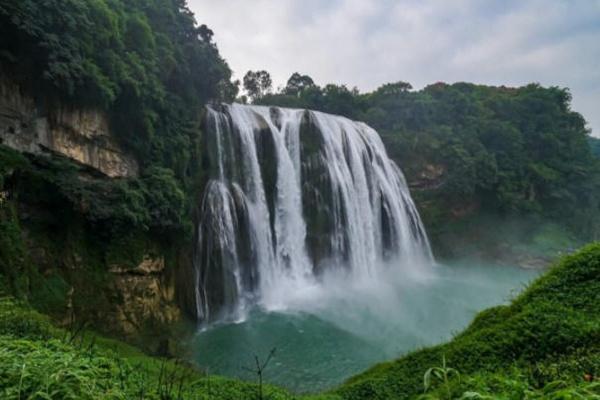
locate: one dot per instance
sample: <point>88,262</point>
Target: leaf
<point>451,371</point>
<point>427,379</point>
<point>473,395</point>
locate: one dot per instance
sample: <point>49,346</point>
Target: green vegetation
<point>40,361</point>
<point>474,150</point>
<point>154,201</point>
<point>595,146</point>
<point>62,230</point>
<point>545,340</point>
<point>257,84</point>
<point>542,346</point>
<point>151,68</point>
<point>145,61</point>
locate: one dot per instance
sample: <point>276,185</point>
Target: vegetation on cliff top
<point>146,62</point>
<point>151,67</point>
<point>471,149</point>
<point>544,345</point>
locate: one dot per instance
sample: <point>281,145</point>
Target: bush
<point>40,361</point>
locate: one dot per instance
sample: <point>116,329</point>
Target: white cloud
<point>366,43</point>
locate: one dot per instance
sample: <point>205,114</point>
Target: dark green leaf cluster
<point>146,62</point>
<point>595,146</point>
<point>40,361</point>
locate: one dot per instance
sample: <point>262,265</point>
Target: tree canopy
<point>298,83</point>
<point>257,84</point>
<point>150,67</point>
<point>146,62</point>
<point>595,146</point>
<point>513,150</point>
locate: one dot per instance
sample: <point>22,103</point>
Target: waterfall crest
<point>291,195</point>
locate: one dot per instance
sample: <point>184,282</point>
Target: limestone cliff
<point>82,135</point>
<point>123,286</point>
<point>145,294</point>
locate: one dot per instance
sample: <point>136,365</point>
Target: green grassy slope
<point>545,345</point>
<point>549,335</point>
<point>40,361</point>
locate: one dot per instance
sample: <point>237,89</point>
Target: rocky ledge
<point>82,135</point>
<point>145,296</point>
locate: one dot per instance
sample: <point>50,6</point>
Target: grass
<point>40,361</point>
<point>544,345</point>
<point>550,333</point>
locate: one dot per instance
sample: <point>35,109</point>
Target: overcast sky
<point>366,43</point>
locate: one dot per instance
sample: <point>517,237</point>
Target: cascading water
<point>293,195</point>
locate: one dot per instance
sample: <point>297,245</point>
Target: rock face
<point>121,288</point>
<point>145,296</point>
<point>82,135</point>
<point>430,177</point>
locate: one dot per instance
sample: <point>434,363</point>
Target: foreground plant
<point>442,374</point>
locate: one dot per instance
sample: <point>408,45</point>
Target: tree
<point>297,84</point>
<point>594,146</point>
<point>394,88</point>
<point>228,90</point>
<point>257,84</point>
<point>205,33</point>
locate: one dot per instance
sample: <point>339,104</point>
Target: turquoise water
<point>328,333</point>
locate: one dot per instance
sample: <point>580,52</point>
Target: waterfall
<point>292,195</point>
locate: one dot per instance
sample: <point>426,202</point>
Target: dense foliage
<point>40,361</point>
<point>154,201</point>
<point>257,84</point>
<point>595,146</point>
<point>62,230</point>
<point>505,150</point>
<point>144,61</point>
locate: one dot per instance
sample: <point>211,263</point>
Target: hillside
<point>543,345</point>
<point>547,337</point>
<point>477,156</point>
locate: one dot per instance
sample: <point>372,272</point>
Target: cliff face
<point>145,295</point>
<point>82,135</point>
<point>121,285</point>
